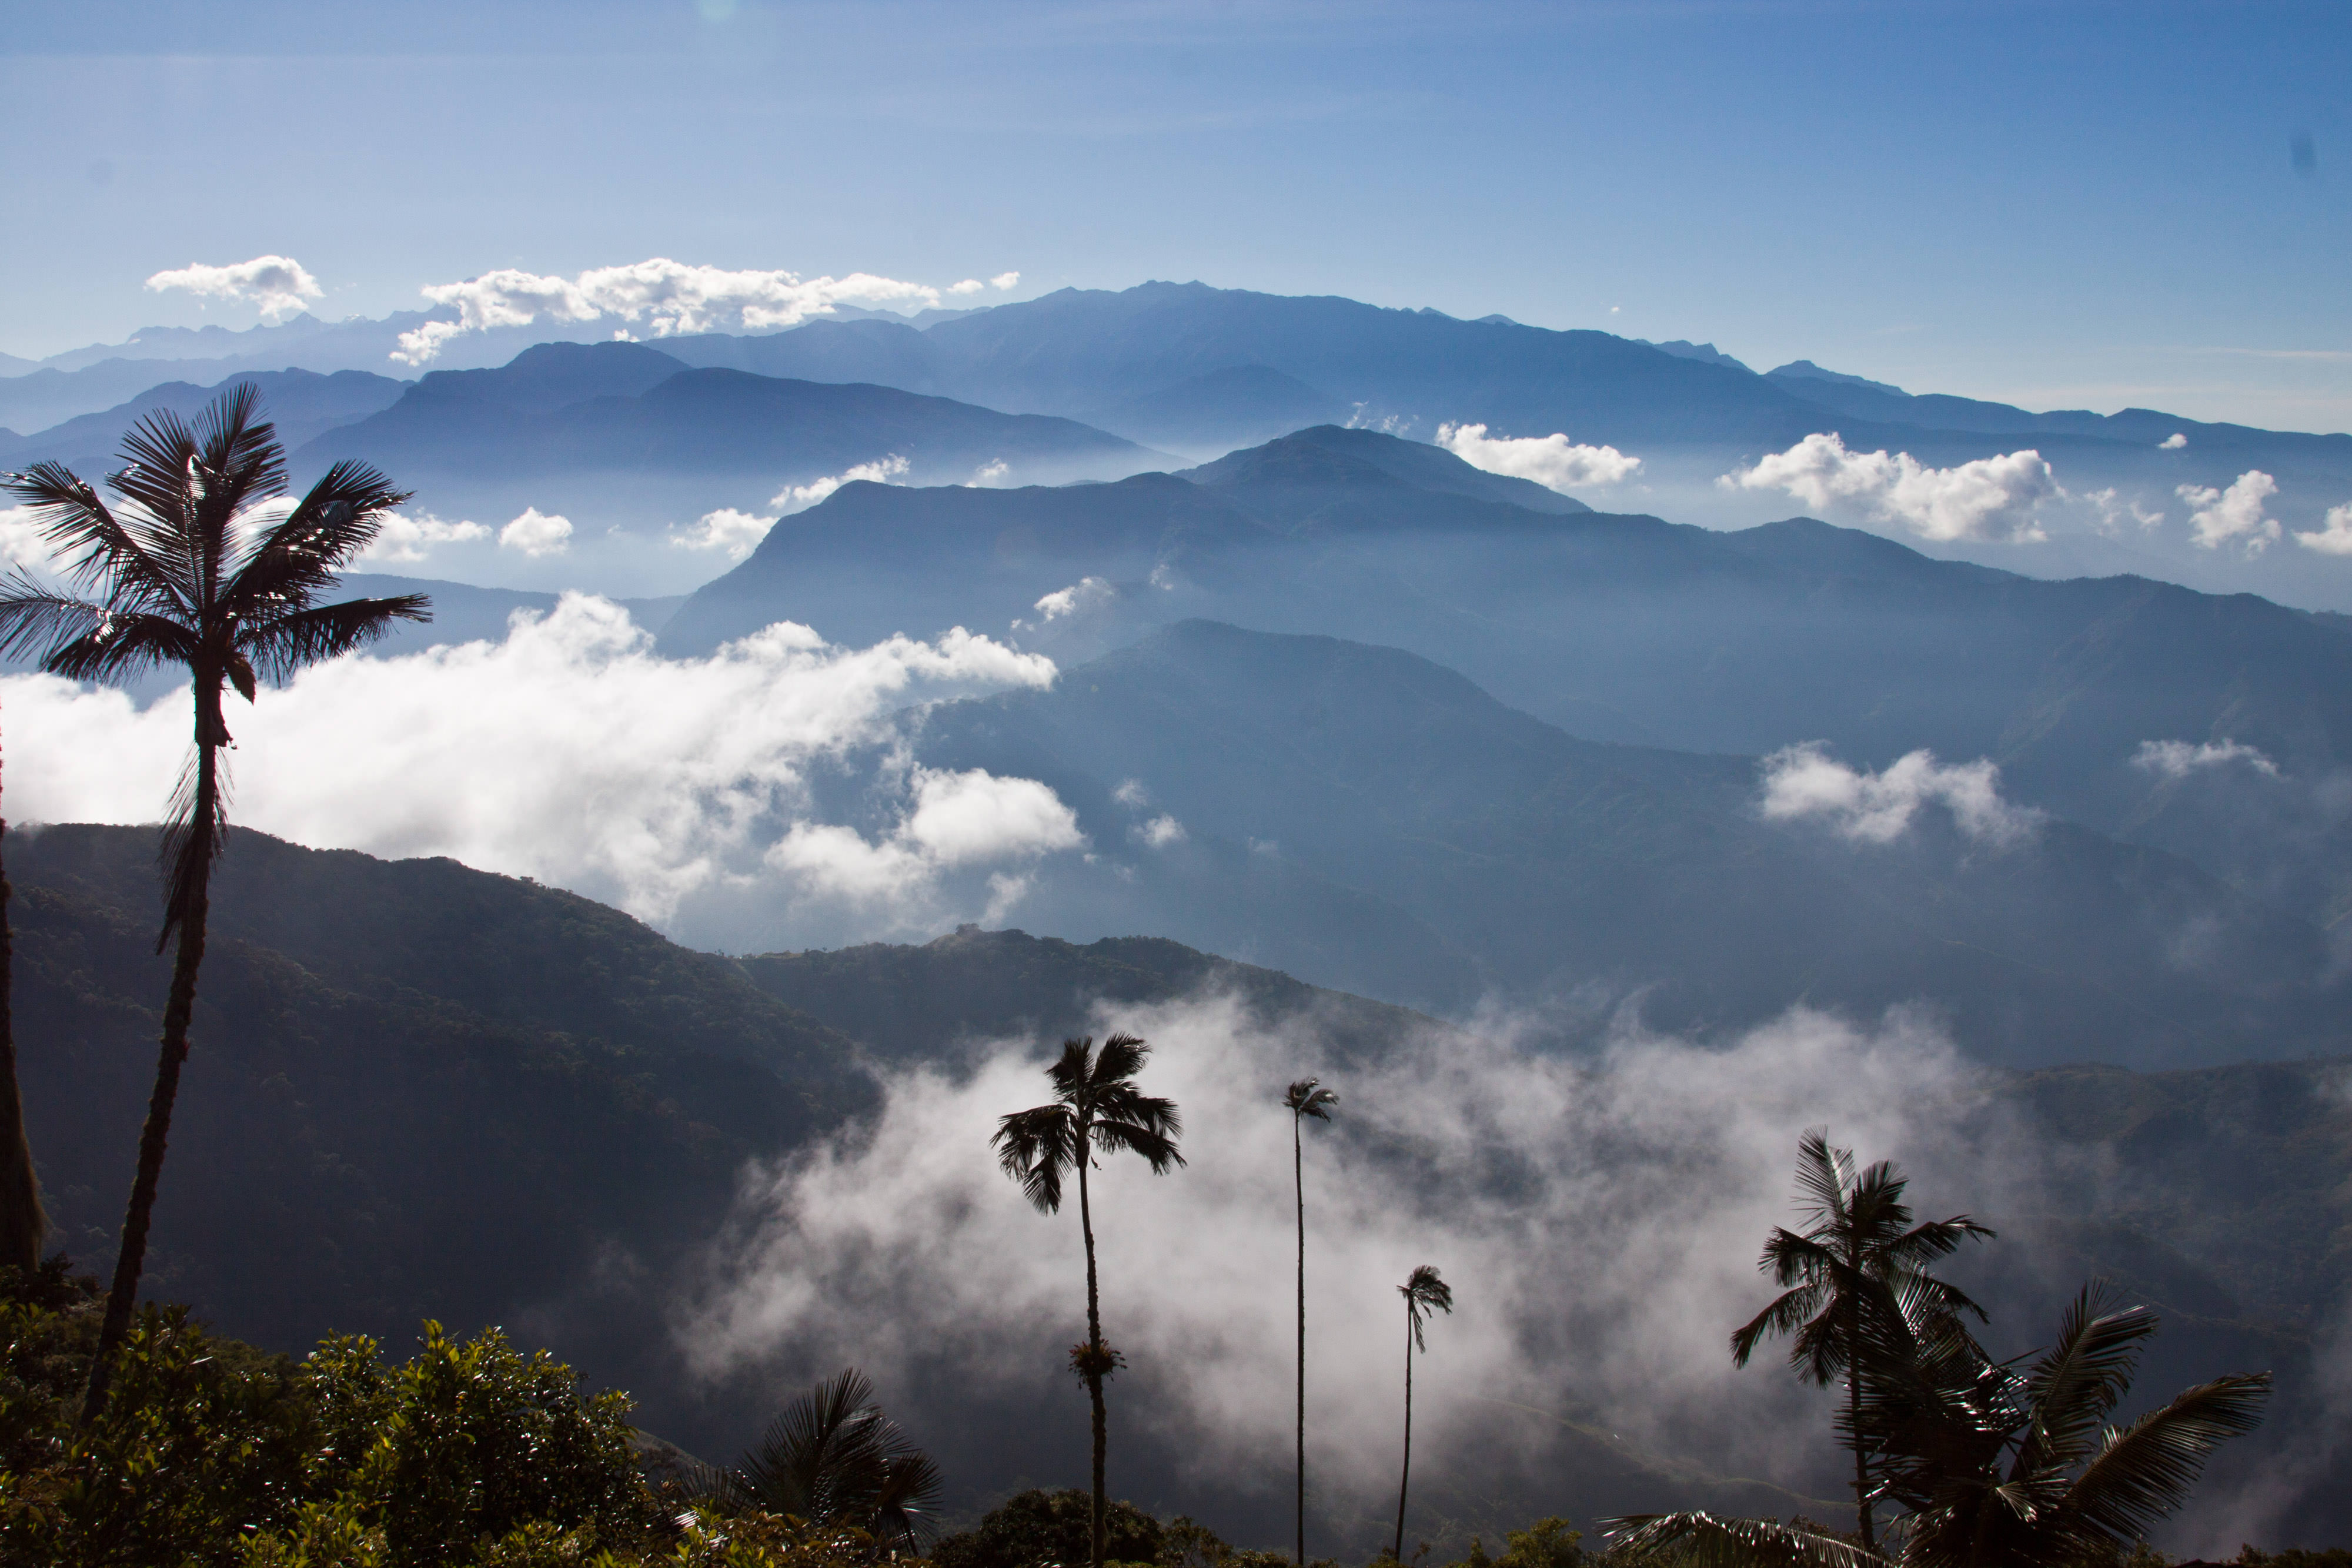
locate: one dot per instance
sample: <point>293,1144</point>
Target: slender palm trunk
<point>1095,1340</point>
<point>22,1223</point>
<point>177,1010</point>
<point>1405,1480</point>
<point>1853,1414</point>
<point>1299,1186</point>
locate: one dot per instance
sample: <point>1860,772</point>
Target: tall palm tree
<point>1097,1107</point>
<point>1997,1464</point>
<point>22,1223</point>
<point>831,1456</point>
<point>189,570</point>
<point>1859,1242</point>
<point>1423,1293</point>
<point>1306,1098</point>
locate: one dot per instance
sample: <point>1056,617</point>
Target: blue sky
<point>2063,204</point>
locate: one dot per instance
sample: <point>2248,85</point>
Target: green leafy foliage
<point>1038,1526</point>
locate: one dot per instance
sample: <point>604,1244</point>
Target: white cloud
<point>1989,498</point>
<point>990,474</point>
<point>1131,794</point>
<point>2334,537</point>
<point>1804,781</point>
<point>2179,758</point>
<point>2235,513</point>
<point>899,1246</point>
<point>1162,831</point>
<point>801,497</point>
<point>1081,597</point>
<point>2113,508</point>
<point>969,285</point>
<point>404,541</point>
<point>673,297</point>
<point>571,753</point>
<point>1005,281</point>
<point>279,284</point>
<point>2172,443</point>
<point>21,540</point>
<point>737,533</point>
<point>536,534</point>
<point>1552,461</point>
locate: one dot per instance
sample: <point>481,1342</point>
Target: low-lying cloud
<point>1552,461</point>
<point>279,284</point>
<point>2225,516</point>
<point>537,534</point>
<point>671,297</point>
<point>2179,758</point>
<point>2334,535</point>
<point>1989,499</point>
<point>739,533</point>
<point>1597,1214</point>
<point>573,754</point>
<point>1806,783</point>
<point>794,498</point>
<point>404,541</point>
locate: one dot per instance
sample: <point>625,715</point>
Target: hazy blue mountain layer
<point>1631,629</point>
<point>1550,864</point>
<point>301,404</point>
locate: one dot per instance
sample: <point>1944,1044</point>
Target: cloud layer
<point>279,284</point>
<point>671,296</point>
<point>2179,758</point>
<point>2334,536</point>
<point>1991,498</point>
<point>1598,1217</point>
<point>572,754</point>
<point>1552,461</point>
<point>1805,783</point>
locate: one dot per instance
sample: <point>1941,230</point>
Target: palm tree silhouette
<point>22,1223</point>
<point>1859,1239</point>
<point>192,573</point>
<point>1995,1464</point>
<point>1096,1106</point>
<point>1423,1293</point>
<point>831,1456</point>
<point>1305,1099</point>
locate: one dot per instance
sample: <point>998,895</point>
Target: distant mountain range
<point>1629,629</point>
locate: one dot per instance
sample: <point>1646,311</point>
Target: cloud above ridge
<point>404,541</point>
<point>1989,499</point>
<point>2334,535</point>
<point>1552,461</point>
<point>573,754</point>
<point>279,284</point>
<point>2221,516</point>
<point>672,297</point>
<point>1806,783</point>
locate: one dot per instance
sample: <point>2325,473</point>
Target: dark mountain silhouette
<point>488,1101</point>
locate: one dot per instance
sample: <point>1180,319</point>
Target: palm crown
<point>1425,1294</point>
<point>186,570</point>
<point>1095,1103</point>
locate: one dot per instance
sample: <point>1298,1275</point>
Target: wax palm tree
<point>1859,1237</point>
<point>1097,1107</point>
<point>1423,1293</point>
<point>1305,1099</point>
<point>22,1223</point>
<point>192,571</point>
<point>831,1456</point>
<point>1997,1464</point>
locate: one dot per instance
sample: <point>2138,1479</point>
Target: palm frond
<point>1157,1147</point>
<point>97,548</point>
<point>297,559</point>
<point>1788,1314</point>
<point>1824,1176</point>
<point>1424,1292</point>
<point>1697,1540</point>
<point>1308,1098</point>
<point>282,645</point>
<point>1793,1260</point>
<point>2080,1378</point>
<point>1034,1147</point>
<point>1121,1058</point>
<point>121,646</point>
<point>2144,1472</point>
<point>1072,1074</point>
